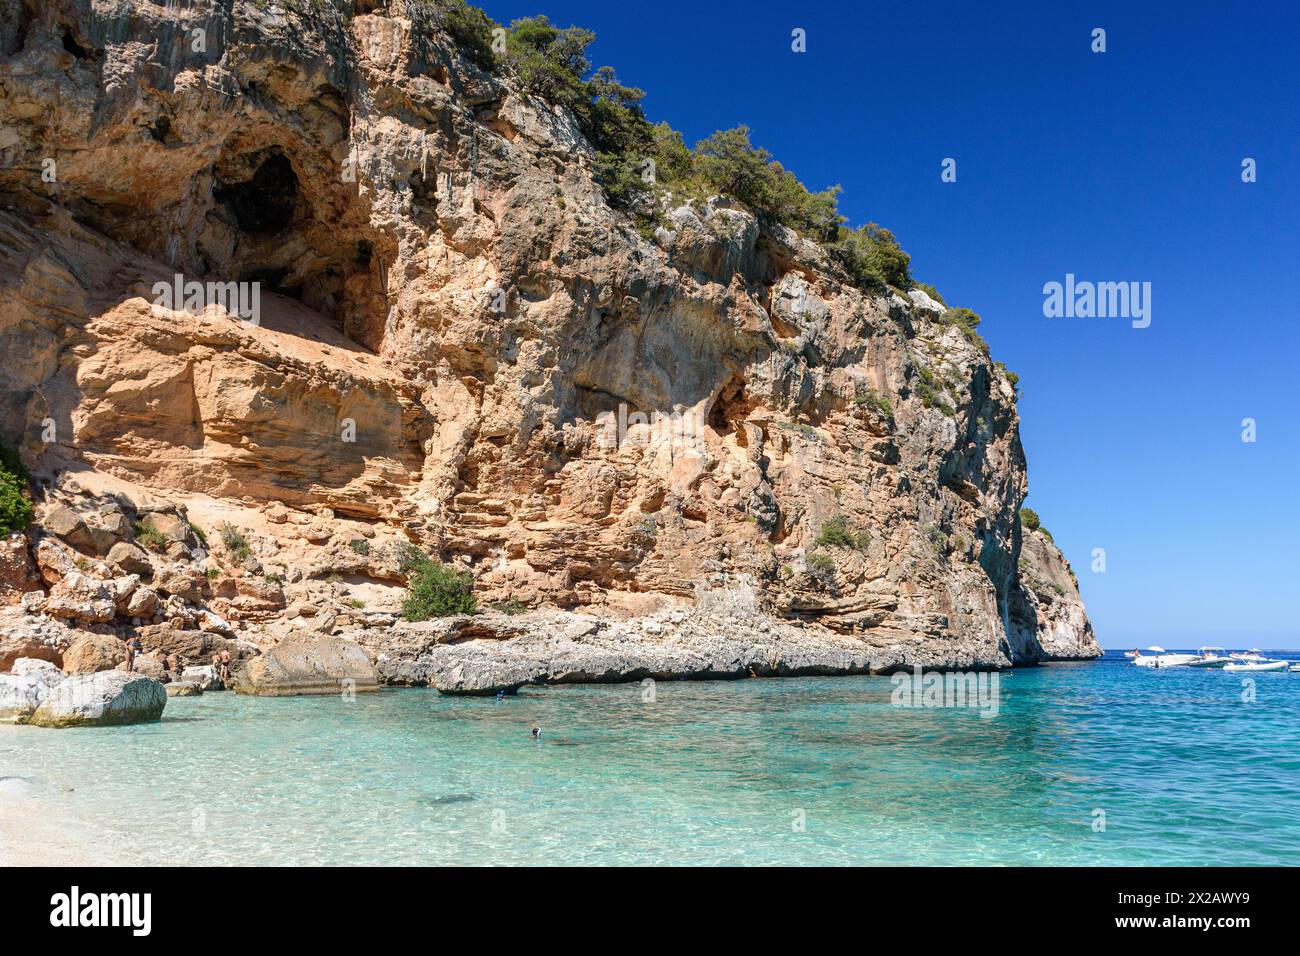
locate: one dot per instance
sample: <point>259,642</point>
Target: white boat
<point>1251,656</point>
<point>1162,658</point>
<point>1209,657</point>
<point>1295,668</point>
<point>1261,665</point>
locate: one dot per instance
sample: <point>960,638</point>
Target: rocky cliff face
<point>460,346</point>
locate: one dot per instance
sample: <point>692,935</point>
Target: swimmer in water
<point>501,695</point>
<point>537,732</point>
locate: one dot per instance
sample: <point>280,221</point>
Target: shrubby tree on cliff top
<point>552,62</point>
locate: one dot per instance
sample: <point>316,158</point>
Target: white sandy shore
<point>31,836</point>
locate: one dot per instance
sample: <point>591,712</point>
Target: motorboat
<point>1210,657</point>
<point>1251,656</point>
<point>1162,658</point>
<point>1259,665</point>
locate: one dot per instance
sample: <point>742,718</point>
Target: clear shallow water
<point>1186,772</point>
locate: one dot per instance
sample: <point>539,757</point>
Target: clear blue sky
<point>1117,166</point>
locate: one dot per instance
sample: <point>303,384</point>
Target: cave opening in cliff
<point>264,204</point>
<point>282,218</point>
<point>70,44</point>
<point>730,408</point>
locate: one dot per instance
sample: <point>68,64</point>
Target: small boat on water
<point>1251,656</point>
<point>1295,668</point>
<point>1162,658</point>
<point>1210,657</point>
<point>1259,665</point>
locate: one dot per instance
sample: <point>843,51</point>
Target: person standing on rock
<point>225,665</point>
<point>133,647</point>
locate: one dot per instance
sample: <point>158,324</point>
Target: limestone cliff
<point>458,341</point>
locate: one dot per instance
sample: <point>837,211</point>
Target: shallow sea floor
<point>793,771</point>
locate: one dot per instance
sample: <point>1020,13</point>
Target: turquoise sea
<point>792,771</point>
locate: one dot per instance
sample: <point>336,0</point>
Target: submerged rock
<point>105,698</point>
<point>308,664</point>
<point>184,688</point>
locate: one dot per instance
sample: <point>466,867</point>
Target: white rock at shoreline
<point>106,697</point>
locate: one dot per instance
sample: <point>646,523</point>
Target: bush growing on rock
<point>967,321</point>
<point>147,536</point>
<point>873,258</point>
<point>1029,518</point>
<point>931,291</point>
<point>551,62</point>
<point>15,506</point>
<point>408,557</point>
<point>874,400</point>
<point>470,27</point>
<point>435,590</point>
<point>821,568</point>
<point>837,532</point>
<point>235,542</point>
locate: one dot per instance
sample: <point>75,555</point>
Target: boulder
<point>214,624</point>
<point>114,522</point>
<point>20,696</point>
<point>62,522</point>
<point>184,688</point>
<point>83,598</point>
<point>150,667</point>
<point>308,664</point>
<point>183,582</point>
<point>205,678</point>
<point>130,559</point>
<point>17,573</point>
<point>23,634</point>
<point>143,603</point>
<point>109,697</point>
<point>170,525</point>
<point>122,590</point>
<point>42,670</point>
<point>94,653</point>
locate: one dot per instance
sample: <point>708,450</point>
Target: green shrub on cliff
<point>872,257</point>
<point>15,506</point>
<point>837,532</point>
<point>636,159</point>
<point>147,536</point>
<point>435,590</point>
<point>1030,519</point>
<point>931,291</point>
<point>471,28</point>
<point>235,542</point>
<point>821,569</point>
<point>731,164</point>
